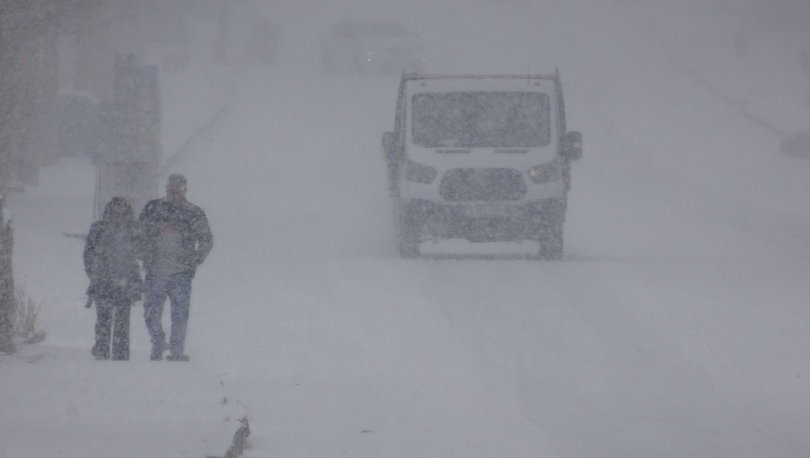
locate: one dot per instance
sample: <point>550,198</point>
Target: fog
<point>675,325</point>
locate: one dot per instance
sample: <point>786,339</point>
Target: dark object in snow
<point>796,144</point>
<point>239,443</point>
<point>110,261</point>
<point>239,440</point>
<point>177,241</point>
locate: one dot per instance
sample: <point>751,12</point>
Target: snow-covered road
<point>676,326</point>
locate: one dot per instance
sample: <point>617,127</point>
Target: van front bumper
<point>483,221</point>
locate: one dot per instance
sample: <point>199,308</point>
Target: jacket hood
<point>118,204</point>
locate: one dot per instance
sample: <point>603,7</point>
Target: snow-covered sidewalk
<point>66,404</point>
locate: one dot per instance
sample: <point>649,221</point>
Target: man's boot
<point>157,351</point>
<point>99,354</point>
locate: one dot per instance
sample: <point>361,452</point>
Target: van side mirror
<point>389,144</point>
<point>572,149</point>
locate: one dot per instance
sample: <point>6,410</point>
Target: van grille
<point>482,184</point>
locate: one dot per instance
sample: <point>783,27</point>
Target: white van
<point>484,158</point>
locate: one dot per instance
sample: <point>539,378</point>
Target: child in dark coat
<point>110,261</point>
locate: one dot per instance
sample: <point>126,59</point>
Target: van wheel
<point>551,242</point>
<point>408,237</point>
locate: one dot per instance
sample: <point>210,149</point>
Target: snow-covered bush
<point>24,321</point>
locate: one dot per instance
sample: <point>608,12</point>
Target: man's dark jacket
<point>196,238</point>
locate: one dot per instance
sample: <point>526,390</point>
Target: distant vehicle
<point>484,158</point>
<point>383,47</point>
<point>796,144</point>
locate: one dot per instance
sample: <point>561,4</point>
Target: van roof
<point>427,76</point>
<point>462,82</point>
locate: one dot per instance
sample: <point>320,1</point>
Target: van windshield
<point>481,119</point>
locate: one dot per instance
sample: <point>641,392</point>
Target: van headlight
<point>545,173</point>
<point>419,173</point>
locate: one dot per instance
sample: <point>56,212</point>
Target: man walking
<point>178,239</point>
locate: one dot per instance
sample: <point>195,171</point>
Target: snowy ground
<point>676,326</point>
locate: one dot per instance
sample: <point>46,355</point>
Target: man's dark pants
<point>177,287</point>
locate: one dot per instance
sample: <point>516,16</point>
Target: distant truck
<point>484,158</point>
<point>372,48</point>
